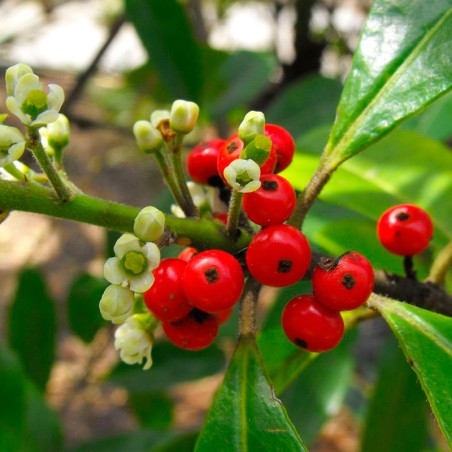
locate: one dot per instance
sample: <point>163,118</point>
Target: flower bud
<point>134,342</point>
<point>149,224</point>
<point>116,303</point>
<point>12,144</point>
<point>253,123</point>
<point>57,133</point>
<point>257,149</point>
<point>158,116</point>
<point>243,175</point>
<point>183,116</point>
<point>148,138</point>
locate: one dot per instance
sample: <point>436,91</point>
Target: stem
<point>247,325</point>
<point>36,147</point>
<point>17,174</point>
<point>235,206</point>
<point>200,233</point>
<point>408,267</point>
<point>440,265</point>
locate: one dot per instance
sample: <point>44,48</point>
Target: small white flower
<point>253,124</point>
<point>183,116</point>
<point>148,138</point>
<point>243,175</point>
<point>132,267</point>
<point>134,342</point>
<point>12,144</point>
<point>56,135</point>
<point>27,99</point>
<point>149,224</point>
<point>116,303</point>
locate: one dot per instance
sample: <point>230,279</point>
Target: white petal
<point>126,243</point>
<point>27,83</point>
<point>142,283</point>
<point>113,271</point>
<point>14,107</point>
<point>44,118</point>
<point>152,253</point>
<point>55,97</point>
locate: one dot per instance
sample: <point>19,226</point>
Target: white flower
<point>243,175</point>
<point>149,224</point>
<point>27,99</point>
<point>148,138</point>
<point>12,144</point>
<point>253,124</point>
<point>56,134</point>
<point>134,342</point>
<point>183,116</point>
<point>116,303</point>
<point>132,267</point>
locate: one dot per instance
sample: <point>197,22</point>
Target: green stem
<point>202,234</point>
<point>235,206</point>
<point>17,174</point>
<point>35,145</point>
<point>440,265</point>
<point>248,304</point>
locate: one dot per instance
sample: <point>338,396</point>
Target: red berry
<point>405,229</point>
<point>310,325</point>
<point>231,150</point>
<point>187,253</point>
<point>223,217</point>
<point>165,299</point>
<point>223,316</point>
<point>283,143</point>
<point>345,283</point>
<point>213,281</point>
<point>278,256</point>
<point>272,203</point>
<point>202,161</point>
<point>194,332</point>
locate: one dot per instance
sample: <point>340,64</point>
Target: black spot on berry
<point>232,147</point>
<point>270,185</point>
<point>284,266</point>
<point>301,343</point>
<point>348,281</point>
<point>402,216</point>
<point>211,275</point>
<point>199,316</point>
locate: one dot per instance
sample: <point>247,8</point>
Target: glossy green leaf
<point>171,365</point>
<point>402,64</point>
<point>83,306</point>
<point>32,326</point>
<point>154,410</point>
<point>165,32</point>
<point>396,419</point>
<point>318,393</point>
<point>305,104</point>
<point>426,340</point>
<point>245,414</point>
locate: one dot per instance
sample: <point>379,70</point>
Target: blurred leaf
<point>32,326</point>
<point>171,365</point>
<point>397,417</point>
<point>426,340</point>
<point>245,75</point>
<point>182,443</point>
<point>83,306</point>
<point>13,400</point>
<point>245,414</point>
<point>402,64</point>
<point>318,393</point>
<point>154,410</point>
<point>165,32</point>
<point>305,104</point>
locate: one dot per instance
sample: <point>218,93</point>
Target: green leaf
<point>83,306</point>
<point>245,414</point>
<point>165,32</point>
<point>171,365</point>
<point>426,340</point>
<point>402,64</point>
<point>154,410</point>
<point>397,417</point>
<point>305,104</point>
<point>32,326</point>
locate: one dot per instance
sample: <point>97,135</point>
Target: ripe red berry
<point>272,203</point>
<point>187,253</point>
<point>231,150</point>
<point>223,316</point>
<point>278,256</point>
<point>223,217</point>
<point>283,143</point>
<point>405,229</point>
<point>343,284</point>
<point>165,299</point>
<point>213,281</point>
<point>202,161</point>
<point>194,332</point>
<point>310,325</point>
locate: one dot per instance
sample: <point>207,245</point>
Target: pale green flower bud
<point>148,138</point>
<point>158,116</point>
<point>183,116</point>
<point>257,149</point>
<point>27,99</point>
<point>133,342</point>
<point>133,264</point>
<point>57,133</point>
<point>149,224</point>
<point>243,175</point>
<point>116,303</point>
<point>12,144</point>
<point>253,124</point>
